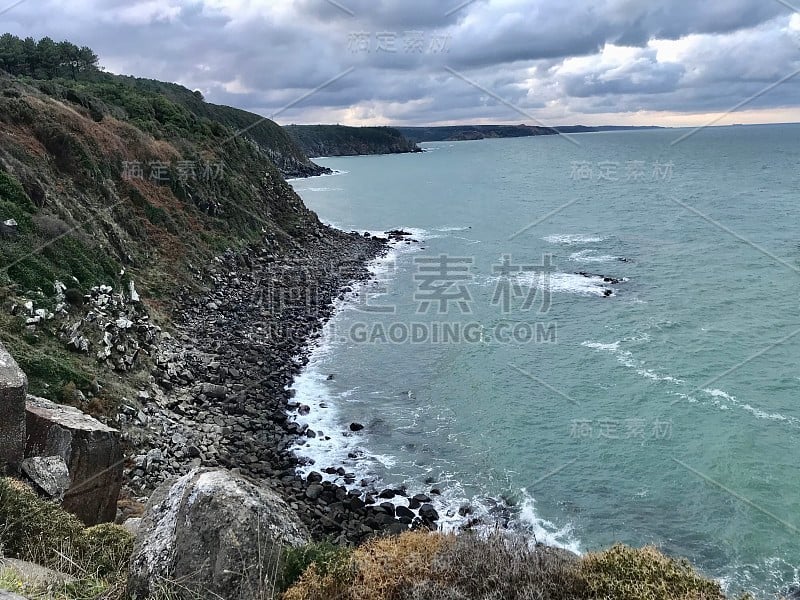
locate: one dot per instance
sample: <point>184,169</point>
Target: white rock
<point>132,292</point>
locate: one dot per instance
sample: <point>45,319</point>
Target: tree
<point>87,59</point>
<point>45,58</point>
<point>48,56</point>
<point>69,57</point>
<point>29,56</point>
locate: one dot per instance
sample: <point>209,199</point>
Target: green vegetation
<point>78,152</point>
<point>45,59</point>
<point>38,531</point>
<point>472,132</point>
<point>644,574</point>
<point>12,192</point>
<point>338,140</point>
<point>327,559</point>
<point>45,249</point>
<point>168,111</point>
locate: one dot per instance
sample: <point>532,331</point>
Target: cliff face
<point>338,140</point>
<point>105,181</point>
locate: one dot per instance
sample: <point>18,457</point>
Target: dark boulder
<point>428,513</point>
<point>92,452</point>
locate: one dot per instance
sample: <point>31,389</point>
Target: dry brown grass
<point>388,566</point>
<point>383,568</point>
<point>499,567</point>
<point>425,566</point>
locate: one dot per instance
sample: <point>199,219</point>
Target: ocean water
<point>659,407</point>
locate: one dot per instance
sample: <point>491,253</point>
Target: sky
<point>428,62</point>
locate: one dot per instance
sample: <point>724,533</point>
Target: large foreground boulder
<point>92,452</point>
<point>13,387</point>
<point>212,534</point>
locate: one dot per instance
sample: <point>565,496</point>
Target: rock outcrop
<point>215,532</point>
<point>92,452</point>
<point>13,387</point>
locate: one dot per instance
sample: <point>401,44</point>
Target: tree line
<point>45,59</point>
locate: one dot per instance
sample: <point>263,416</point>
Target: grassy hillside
<point>105,179</point>
<point>281,149</point>
<point>338,140</point>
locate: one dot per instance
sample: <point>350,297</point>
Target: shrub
<point>108,549</point>
<point>40,531</point>
<point>34,529</point>
<point>327,558</point>
<point>11,190</point>
<point>645,574</point>
<point>499,566</point>
<point>68,393</point>
<point>74,296</point>
<point>381,569</point>
<point>50,227</point>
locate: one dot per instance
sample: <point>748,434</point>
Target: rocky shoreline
<point>219,393</point>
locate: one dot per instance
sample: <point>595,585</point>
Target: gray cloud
<point>546,56</point>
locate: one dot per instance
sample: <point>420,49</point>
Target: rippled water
<point>657,407</point>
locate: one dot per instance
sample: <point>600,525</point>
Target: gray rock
<point>34,575</point>
<point>13,387</point>
<point>218,392</point>
<point>217,533</point>
<point>314,491</point>
<point>132,524</point>
<point>9,228</point>
<point>49,473</point>
<point>92,452</point>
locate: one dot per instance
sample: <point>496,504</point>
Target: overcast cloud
<point>669,62</point>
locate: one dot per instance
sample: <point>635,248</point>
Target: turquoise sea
<point>482,364</point>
